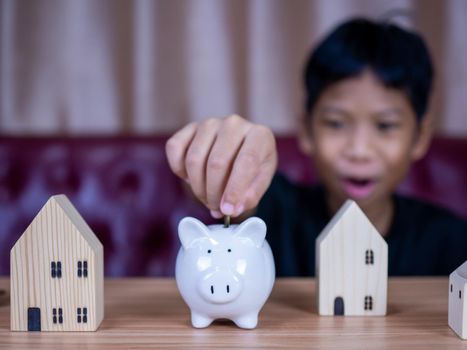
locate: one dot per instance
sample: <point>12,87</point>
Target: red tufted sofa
<point>125,191</point>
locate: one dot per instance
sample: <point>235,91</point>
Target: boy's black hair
<point>399,58</point>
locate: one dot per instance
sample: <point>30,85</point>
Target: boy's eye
<point>386,126</point>
<point>334,124</point>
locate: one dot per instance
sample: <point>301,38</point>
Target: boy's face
<point>363,137</point>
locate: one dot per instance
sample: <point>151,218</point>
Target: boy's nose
<point>359,145</point>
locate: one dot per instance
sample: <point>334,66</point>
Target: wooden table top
<point>149,313</point>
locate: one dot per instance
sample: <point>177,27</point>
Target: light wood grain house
<point>351,265</point>
<point>457,313</point>
<point>57,272</point>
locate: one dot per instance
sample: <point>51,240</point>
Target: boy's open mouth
<point>358,188</point>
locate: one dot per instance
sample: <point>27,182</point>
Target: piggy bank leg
<point>248,321</point>
<point>200,321</point>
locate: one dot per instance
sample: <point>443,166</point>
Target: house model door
<point>34,319</point>
<point>339,306</point>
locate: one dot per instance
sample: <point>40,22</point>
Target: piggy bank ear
<point>253,229</point>
<point>191,229</point>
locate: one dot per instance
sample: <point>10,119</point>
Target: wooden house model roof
<point>461,271</point>
<point>349,211</point>
<point>63,203</point>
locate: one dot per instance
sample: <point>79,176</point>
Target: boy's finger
<point>176,147</point>
<point>258,187</point>
<point>197,155</point>
<point>229,139</point>
<point>255,150</point>
<point>216,214</point>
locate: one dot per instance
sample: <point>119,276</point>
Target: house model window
<point>60,315</point>
<point>369,257</point>
<point>84,316</point>
<point>56,269</point>
<point>368,302</point>
<point>82,268</point>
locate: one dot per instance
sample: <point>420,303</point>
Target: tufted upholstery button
<point>12,179</point>
<point>129,183</point>
<point>128,180</point>
<point>60,174</point>
<point>125,182</point>
<point>103,231</point>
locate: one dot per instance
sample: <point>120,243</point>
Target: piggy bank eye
<point>209,251</point>
<point>229,250</point>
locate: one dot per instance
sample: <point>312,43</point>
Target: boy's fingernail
<point>216,214</point>
<point>239,208</point>
<point>227,209</point>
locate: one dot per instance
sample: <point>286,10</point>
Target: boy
<point>367,87</point>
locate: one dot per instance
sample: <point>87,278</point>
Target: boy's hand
<point>228,162</point>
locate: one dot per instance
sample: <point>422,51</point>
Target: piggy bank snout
<point>220,286</point>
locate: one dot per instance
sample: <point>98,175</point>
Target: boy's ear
<point>305,141</point>
<point>423,138</point>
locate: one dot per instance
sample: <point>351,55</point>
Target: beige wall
<point>151,66</point>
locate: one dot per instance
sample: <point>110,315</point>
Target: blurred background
<point>144,67</point>
<point>90,90</point>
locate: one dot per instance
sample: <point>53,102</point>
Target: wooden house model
<point>57,272</point>
<point>457,309</point>
<point>351,265</point>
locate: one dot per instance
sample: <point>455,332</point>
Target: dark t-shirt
<point>423,239</point>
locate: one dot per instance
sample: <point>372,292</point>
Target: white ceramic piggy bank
<point>224,272</point>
